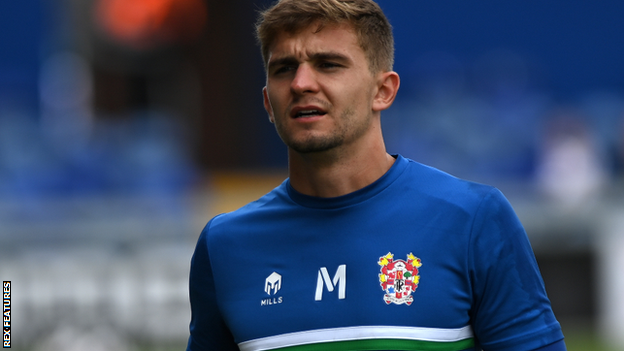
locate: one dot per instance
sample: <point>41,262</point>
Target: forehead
<point>333,37</point>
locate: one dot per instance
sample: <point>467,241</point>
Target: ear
<point>387,87</point>
<point>267,104</point>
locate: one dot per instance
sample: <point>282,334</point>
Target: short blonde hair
<point>371,26</point>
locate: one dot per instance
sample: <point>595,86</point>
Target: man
<point>358,249</point>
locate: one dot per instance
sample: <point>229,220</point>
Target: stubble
<point>348,127</point>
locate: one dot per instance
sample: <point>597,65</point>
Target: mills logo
<point>272,284</point>
<point>399,278</point>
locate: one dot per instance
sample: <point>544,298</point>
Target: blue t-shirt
<point>418,260</point>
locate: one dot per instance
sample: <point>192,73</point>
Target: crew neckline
<point>352,198</point>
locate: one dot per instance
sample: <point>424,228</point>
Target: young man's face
<point>320,89</point>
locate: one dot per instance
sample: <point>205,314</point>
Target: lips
<point>306,112</point>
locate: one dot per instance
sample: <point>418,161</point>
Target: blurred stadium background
<point>126,124</point>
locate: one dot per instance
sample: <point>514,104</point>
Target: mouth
<point>307,112</point>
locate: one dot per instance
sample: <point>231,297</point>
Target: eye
<point>329,65</point>
<point>284,69</point>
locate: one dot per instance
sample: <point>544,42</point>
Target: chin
<point>315,146</point>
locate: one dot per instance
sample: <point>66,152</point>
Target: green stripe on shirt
<point>363,338</point>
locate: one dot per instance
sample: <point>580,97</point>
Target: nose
<point>304,80</point>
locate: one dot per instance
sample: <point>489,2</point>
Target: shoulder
<point>444,188</point>
<point>265,207</point>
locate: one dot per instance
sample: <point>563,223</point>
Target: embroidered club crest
<point>399,278</point>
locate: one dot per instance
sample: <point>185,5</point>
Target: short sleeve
<point>511,310</point>
<point>208,331</point>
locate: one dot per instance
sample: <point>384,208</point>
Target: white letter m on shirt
<point>340,280</point>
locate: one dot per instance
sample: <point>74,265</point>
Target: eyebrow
<point>320,56</point>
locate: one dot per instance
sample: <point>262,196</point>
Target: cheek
<point>356,98</point>
<point>275,102</point>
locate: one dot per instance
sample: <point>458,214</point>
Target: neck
<point>339,171</point>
